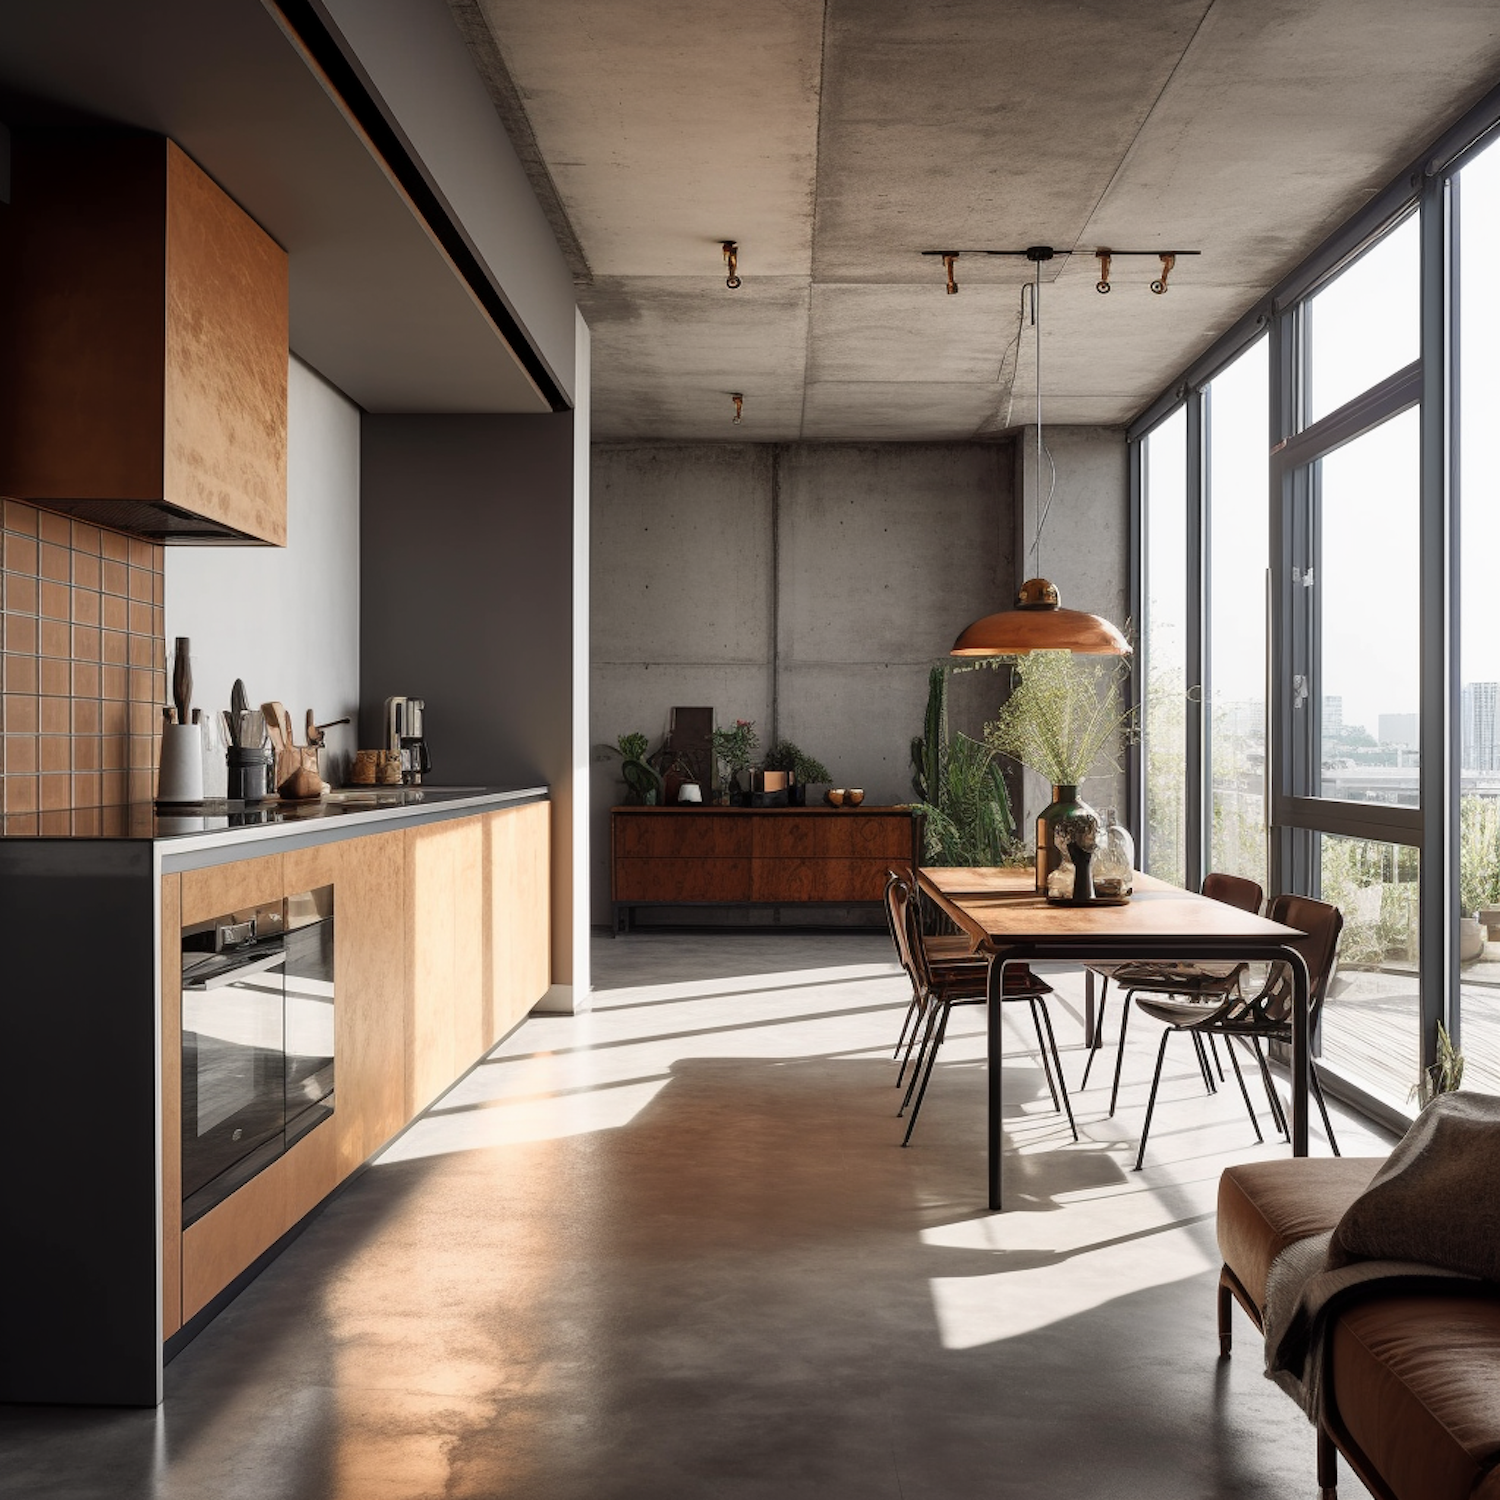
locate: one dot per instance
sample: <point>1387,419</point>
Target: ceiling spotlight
<point>739,406</point>
<point>1168,260</point>
<point>732,260</point>
<point>948,260</point>
<point>1102,285</point>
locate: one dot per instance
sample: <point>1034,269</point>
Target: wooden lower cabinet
<point>670,856</point>
<point>442,946</point>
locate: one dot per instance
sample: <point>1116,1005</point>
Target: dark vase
<point>1065,804</point>
<point>796,795</point>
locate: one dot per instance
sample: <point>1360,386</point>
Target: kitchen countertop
<point>228,825</point>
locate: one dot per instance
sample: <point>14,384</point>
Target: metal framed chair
<point>938,985</point>
<point>1263,1017</point>
<point>1203,982</point>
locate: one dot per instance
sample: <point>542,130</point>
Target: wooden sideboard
<point>771,856</point>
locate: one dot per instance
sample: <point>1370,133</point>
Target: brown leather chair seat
<point>1415,1384</point>
<point>1265,1205</point>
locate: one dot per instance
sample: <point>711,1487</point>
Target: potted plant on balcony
<point>734,751</point>
<point>785,756</point>
<point>1064,713</point>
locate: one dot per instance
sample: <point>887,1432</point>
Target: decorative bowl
<point>854,796</point>
<point>834,796</point>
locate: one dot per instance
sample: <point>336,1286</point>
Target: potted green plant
<point>785,756</point>
<point>960,790</point>
<point>644,783</point>
<point>1064,713</point>
<point>734,751</point>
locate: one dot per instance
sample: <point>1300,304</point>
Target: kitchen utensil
<point>315,731</point>
<point>182,679</point>
<point>302,785</point>
<point>239,704</point>
<point>253,730</point>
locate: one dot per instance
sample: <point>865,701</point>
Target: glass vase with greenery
<point>1065,715</point>
<point>734,751</point>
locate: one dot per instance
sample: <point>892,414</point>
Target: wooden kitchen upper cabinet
<point>144,377</point>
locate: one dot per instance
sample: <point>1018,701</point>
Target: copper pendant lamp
<point>1038,622</point>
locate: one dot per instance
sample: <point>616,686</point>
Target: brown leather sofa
<point>1412,1383</point>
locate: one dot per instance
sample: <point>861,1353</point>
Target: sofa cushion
<point>1265,1205</point>
<point>1415,1382</point>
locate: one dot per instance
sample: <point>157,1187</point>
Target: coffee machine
<point>404,735</point>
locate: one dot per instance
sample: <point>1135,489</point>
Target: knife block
<point>180,778</point>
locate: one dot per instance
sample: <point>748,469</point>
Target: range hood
<point>155,521</point>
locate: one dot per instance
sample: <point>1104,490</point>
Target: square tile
<point>20,713</point>
<point>142,651</point>
<point>86,680</point>
<point>140,618</point>
<point>114,648</point>
<point>21,517</point>
<point>115,546</point>
<point>142,554</point>
<point>114,718</point>
<point>143,688</point>
<point>144,716</point>
<point>56,792</point>
<point>20,554</point>
<point>140,585</point>
<point>55,715</point>
<point>85,607</point>
<point>55,639</point>
<point>55,528</point>
<point>20,755</point>
<point>87,751</point>
<point>140,785</point>
<point>87,820</point>
<point>114,578</point>
<point>55,603</point>
<point>56,563</point>
<point>85,643</point>
<point>114,682</point>
<point>142,751</point>
<point>86,716</point>
<point>20,794</point>
<point>56,675</point>
<point>114,751</point>
<point>158,588</point>
<point>114,613</point>
<point>21,594</point>
<point>86,789</point>
<point>85,539</point>
<point>86,570</point>
<point>20,674</point>
<point>20,635</point>
<point>57,823</point>
<point>54,753</point>
<point>113,788</point>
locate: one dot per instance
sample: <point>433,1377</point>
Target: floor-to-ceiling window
<point>1235,404</point>
<point>1478,216</point>
<point>1164,647</point>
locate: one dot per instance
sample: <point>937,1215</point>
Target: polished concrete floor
<point>672,1249</point>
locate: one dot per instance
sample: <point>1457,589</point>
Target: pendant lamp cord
<point>1043,510</point>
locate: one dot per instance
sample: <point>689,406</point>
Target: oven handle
<point>233,976</point>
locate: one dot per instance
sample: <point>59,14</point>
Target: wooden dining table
<point>1009,922</point>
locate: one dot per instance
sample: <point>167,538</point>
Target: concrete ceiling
<point>837,140</point>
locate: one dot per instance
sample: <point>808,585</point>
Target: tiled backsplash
<point>84,663</point>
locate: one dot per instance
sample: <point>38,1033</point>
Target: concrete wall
<point>286,619</point>
<point>1085,546</point>
<point>806,586</point>
<point>467,570</point>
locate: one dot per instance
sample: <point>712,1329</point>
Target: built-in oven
<point>257,1041</point>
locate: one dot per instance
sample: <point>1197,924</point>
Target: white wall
<point>286,619</point>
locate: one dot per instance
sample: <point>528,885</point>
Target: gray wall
<point>286,619</point>
<point>417,61</point>
<point>806,586</point>
<point>467,571</point>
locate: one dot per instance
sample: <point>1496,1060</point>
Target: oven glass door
<point>309,1011</point>
<point>233,1069</point>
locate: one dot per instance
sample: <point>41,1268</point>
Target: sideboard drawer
<point>682,879</point>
